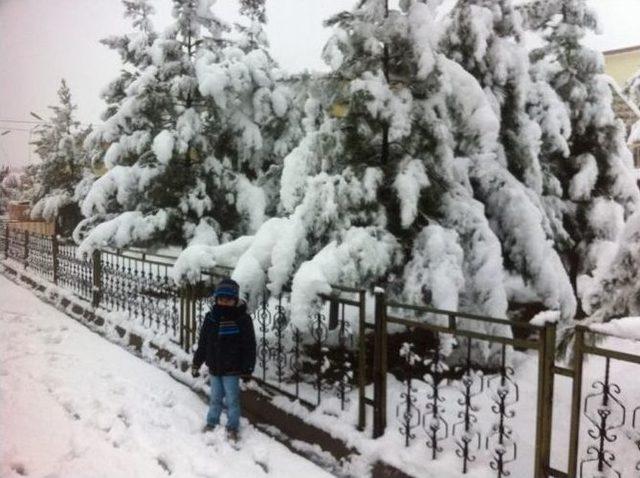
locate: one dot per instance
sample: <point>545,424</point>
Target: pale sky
<point>42,41</point>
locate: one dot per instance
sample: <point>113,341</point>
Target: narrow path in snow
<point>74,405</point>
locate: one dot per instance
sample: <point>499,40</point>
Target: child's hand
<point>195,373</point>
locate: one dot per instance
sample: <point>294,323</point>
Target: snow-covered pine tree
<point>399,177</point>
<point>9,187</point>
<point>133,50</point>
<point>58,144</point>
<point>115,146</point>
<point>156,135</point>
<point>5,195</point>
<point>195,137</point>
<point>486,38</point>
<point>598,186</point>
<point>257,114</point>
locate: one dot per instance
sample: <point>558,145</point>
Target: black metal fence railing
<point>447,376</point>
<point>457,393</point>
<point>143,288</point>
<point>607,411</point>
<point>15,246</point>
<point>313,357</point>
<point>73,273</point>
<point>40,256</point>
<point>4,235</point>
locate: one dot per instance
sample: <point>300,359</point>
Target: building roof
<point>619,51</point>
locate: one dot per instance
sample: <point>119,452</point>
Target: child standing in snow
<point>227,344</point>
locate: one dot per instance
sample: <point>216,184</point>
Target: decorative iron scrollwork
<point>143,290</point>
<point>471,385</point>
<point>40,257</point>
<point>319,331</point>
<point>295,359</point>
<point>601,408</point>
<point>636,437</point>
<point>341,366</point>
<point>278,353</point>
<point>408,413</point>
<point>505,394</point>
<point>264,318</point>
<point>433,420</point>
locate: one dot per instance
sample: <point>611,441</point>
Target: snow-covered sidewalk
<point>75,405</point>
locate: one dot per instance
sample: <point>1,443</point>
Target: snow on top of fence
<point>624,328</point>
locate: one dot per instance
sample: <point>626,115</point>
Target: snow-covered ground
<point>75,405</point>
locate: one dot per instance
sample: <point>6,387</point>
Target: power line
<point>4,120</point>
<point>9,128</point>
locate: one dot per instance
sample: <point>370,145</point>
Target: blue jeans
<point>227,387</point>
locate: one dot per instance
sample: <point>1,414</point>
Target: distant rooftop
<point>619,51</point>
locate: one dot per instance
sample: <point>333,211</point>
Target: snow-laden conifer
<point>58,144</point>
<point>194,138</point>
<point>595,177</point>
<point>400,178</point>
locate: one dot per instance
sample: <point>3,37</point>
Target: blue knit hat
<point>227,288</point>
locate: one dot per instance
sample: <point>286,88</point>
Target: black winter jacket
<point>227,342</point>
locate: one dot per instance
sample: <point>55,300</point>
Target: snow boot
<point>208,428</point>
<point>232,435</point>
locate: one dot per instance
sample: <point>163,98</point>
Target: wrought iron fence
<point>40,255</point>
<point>4,235</point>
<point>448,376</point>
<point>310,359</point>
<point>609,416</point>
<point>16,245</point>
<point>141,287</point>
<point>74,273</point>
<point>314,357</point>
<point>454,388</point>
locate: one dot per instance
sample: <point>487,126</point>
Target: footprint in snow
<point>164,464</point>
<point>70,409</point>
<point>52,339</point>
<point>169,399</point>
<point>124,418</point>
<point>19,468</point>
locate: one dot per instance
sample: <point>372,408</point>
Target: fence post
<point>546,364</point>
<point>576,401</point>
<point>181,318</point>
<point>192,315</point>
<point>97,277</point>
<point>54,256</point>
<point>362,361</point>
<point>6,241</point>
<point>26,248</point>
<point>185,317</point>
<point>380,366</point>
